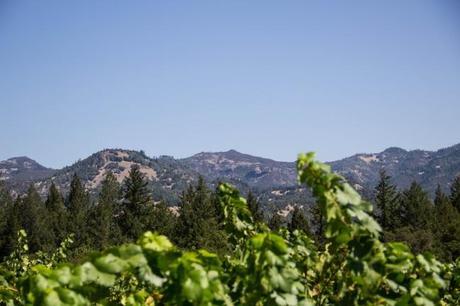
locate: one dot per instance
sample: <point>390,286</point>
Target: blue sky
<point>269,78</point>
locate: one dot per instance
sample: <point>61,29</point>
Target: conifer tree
<point>5,203</point>
<point>197,225</point>
<point>13,225</point>
<point>318,221</point>
<point>275,222</point>
<point>136,204</point>
<point>447,227</point>
<point>386,201</point>
<point>416,207</point>
<point>34,221</point>
<point>103,227</point>
<point>417,220</point>
<point>299,222</point>
<point>455,193</point>
<point>161,220</point>
<point>440,199</point>
<point>56,215</point>
<point>254,207</point>
<point>5,197</point>
<point>78,205</point>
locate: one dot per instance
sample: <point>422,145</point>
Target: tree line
<point>411,216</point>
<point>119,214</point>
<point>122,212</point>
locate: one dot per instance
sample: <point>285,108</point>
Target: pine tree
<point>5,203</point>
<point>416,208</point>
<point>5,197</point>
<point>13,225</point>
<point>136,204</point>
<point>254,207</point>
<point>416,222</point>
<point>455,193</point>
<point>161,220</point>
<point>56,215</point>
<point>197,224</point>
<point>318,221</point>
<point>103,227</point>
<point>78,205</point>
<point>34,221</point>
<point>299,222</point>
<point>447,227</point>
<point>386,202</point>
<point>275,222</point>
<point>440,199</point>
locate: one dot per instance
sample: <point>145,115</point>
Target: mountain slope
<point>426,167</point>
<point>167,177</point>
<point>274,181</point>
<point>19,172</point>
<point>257,172</point>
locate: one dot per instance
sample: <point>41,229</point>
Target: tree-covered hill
<point>167,177</point>
<point>274,182</point>
<point>18,172</point>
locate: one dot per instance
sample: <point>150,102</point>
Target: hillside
<point>256,172</point>
<point>19,172</point>
<point>274,181</point>
<point>429,168</point>
<point>167,177</point>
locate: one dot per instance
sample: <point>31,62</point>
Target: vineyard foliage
<point>351,267</point>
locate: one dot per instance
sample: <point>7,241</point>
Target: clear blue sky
<point>269,78</point>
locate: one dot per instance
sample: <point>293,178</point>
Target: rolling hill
<point>274,181</point>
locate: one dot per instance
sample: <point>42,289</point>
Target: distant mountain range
<point>273,181</point>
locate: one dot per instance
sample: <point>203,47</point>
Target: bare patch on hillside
<point>124,167</point>
<point>369,158</point>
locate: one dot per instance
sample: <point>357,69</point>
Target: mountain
<point>429,168</point>
<point>273,181</point>
<point>256,172</point>
<point>276,185</point>
<point>19,172</point>
<point>167,177</point>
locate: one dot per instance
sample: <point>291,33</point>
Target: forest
<point>219,248</point>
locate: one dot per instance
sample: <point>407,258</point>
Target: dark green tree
<point>299,222</point>
<point>197,224</point>
<point>56,215</point>
<point>420,240</point>
<point>417,221</point>
<point>103,227</point>
<point>416,208</point>
<point>447,227</point>
<point>276,222</point>
<point>254,207</point>
<point>455,193</point>
<point>137,202</point>
<point>386,203</point>
<point>440,199</point>
<point>5,200</point>
<point>161,220</point>
<point>78,205</point>
<point>13,225</point>
<point>6,203</point>
<point>318,221</point>
<point>33,219</point>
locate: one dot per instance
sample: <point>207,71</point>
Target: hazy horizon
<point>265,78</point>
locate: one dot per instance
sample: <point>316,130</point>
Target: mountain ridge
<point>272,179</point>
